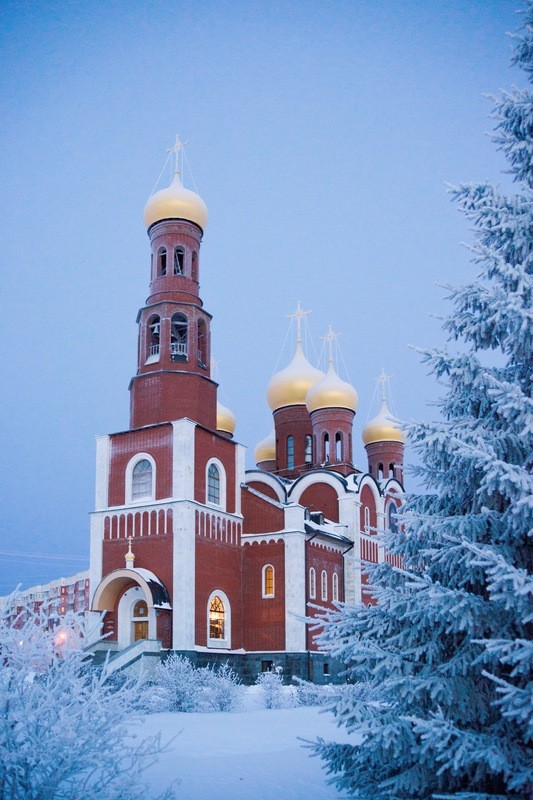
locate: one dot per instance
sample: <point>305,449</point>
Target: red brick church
<point>189,550</point>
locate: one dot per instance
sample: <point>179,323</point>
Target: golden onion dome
<point>331,392</point>
<point>225,419</point>
<point>265,450</point>
<point>289,387</point>
<point>382,428</point>
<point>175,202</point>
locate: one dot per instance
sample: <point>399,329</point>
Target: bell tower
<point>173,377</point>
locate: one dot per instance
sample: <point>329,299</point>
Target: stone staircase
<point>141,656</point>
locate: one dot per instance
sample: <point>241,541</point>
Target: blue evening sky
<point>322,135</point>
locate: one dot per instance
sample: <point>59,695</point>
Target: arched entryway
<point>132,600</point>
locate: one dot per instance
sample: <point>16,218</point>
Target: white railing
<point>178,348</point>
<point>154,349</point>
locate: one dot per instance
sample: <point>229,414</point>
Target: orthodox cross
<point>298,314</point>
<point>330,339</point>
<point>383,380</point>
<point>178,151</point>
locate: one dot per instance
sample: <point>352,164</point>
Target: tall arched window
<point>268,580</point>
<point>141,480</point>
<point>392,519</point>
<point>324,585</point>
<point>217,618</point>
<point>326,447</point>
<point>162,261</point>
<point>213,484</point>
<point>154,332</point>
<point>335,587</point>
<point>312,583</point>
<point>338,447</point>
<point>194,266</point>
<point>290,452</point>
<point>308,450</point>
<point>380,472</point>
<point>391,470</point>
<point>179,260</point>
<point>202,343</point>
<point>179,337</point>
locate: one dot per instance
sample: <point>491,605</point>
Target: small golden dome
<point>225,419</point>
<point>382,428</point>
<point>175,202</point>
<point>266,449</point>
<point>331,392</point>
<point>289,387</point>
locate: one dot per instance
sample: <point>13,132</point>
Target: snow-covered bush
<point>313,694</point>
<point>223,689</point>
<point>63,733</point>
<point>177,685</point>
<point>447,646</point>
<point>271,688</point>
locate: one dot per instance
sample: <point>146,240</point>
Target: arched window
<point>367,519</point>
<point>154,332</point>
<point>179,337</point>
<point>335,587</point>
<point>392,519</point>
<point>326,447</point>
<point>202,344</point>
<point>268,580</point>
<point>324,585</point>
<point>162,261</point>
<point>290,452</point>
<point>308,450</point>
<point>140,609</point>
<point>141,480</point>
<point>213,484</point>
<point>217,618</point>
<point>179,260</point>
<point>391,470</point>
<point>380,472</point>
<point>338,447</point>
<point>312,583</point>
<point>194,266</point>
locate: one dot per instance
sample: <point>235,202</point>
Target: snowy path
<point>253,755</point>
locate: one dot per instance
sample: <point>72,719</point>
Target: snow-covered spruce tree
<point>63,732</point>
<point>446,647</point>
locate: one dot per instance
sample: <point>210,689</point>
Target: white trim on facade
<point>103,452</point>
<point>183,454</point>
<point>183,571</point>
<point>295,592</point>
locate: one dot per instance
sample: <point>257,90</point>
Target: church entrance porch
<point>136,606</point>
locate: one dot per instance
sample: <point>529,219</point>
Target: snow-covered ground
<point>255,754</point>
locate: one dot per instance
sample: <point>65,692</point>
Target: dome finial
<point>330,339</point>
<point>383,380</point>
<point>298,314</point>
<point>178,155</point>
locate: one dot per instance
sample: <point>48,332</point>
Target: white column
<point>103,449</point>
<point>240,453</point>
<point>295,579</point>
<point>183,595</point>
<point>95,558</point>
<point>349,516</point>
<point>183,460</point>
